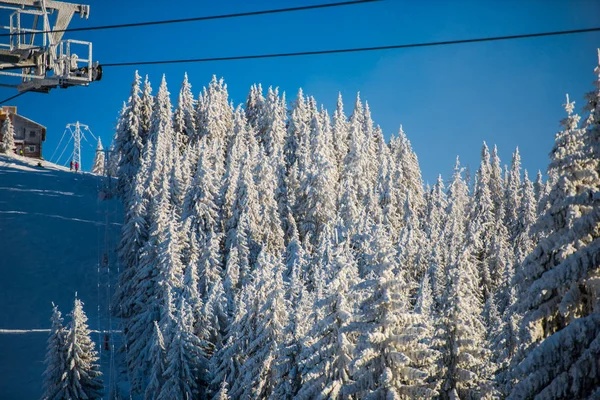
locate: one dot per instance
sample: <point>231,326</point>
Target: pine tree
<point>496,183</point>
<point>159,268</point>
<point>482,226</point>
<point>288,377</point>
<point>55,384</point>
<point>318,183</point>
<point>255,104</point>
<point>216,124</point>
<point>465,358</point>
<point>158,364</point>
<point>413,244</point>
<point>512,196</point>
<point>527,216</point>
<point>98,167</point>
<point>392,361</point>
<point>262,329</point>
<point>134,234</point>
<point>463,332</point>
<point>561,312</point>
<point>184,122</point>
<point>129,143</point>
<point>340,134</point>
<point>434,229</point>
<point>297,128</point>
<point>200,208</point>
<point>8,136</point>
<point>539,188</point>
<point>83,376</point>
<point>269,224</point>
<point>411,181</point>
<point>146,110</point>
<point>223,393</point>
<point>185,359</point>
<point>327,352</point>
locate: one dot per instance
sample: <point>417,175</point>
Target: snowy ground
<point>52,235</point>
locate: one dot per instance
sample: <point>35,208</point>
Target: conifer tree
<point>255,103</point>
<point>297,122</point>
<point>318,184</point>
<point>129,142</point>
<point>83,377</point>
<point>527,216</point>
<point>184,121</point>
<point>413,244</point>
<point>158,364</point>
<point>391,360</point>
<point>482,226</point>
<point>288,376</point>
<point>223,393</point>
<point>159,268</point>
<point>269,223</point>
<point>496,183</point>
<point>411,180</point>
<point>328,351</point>
<point>8,136</point>
<point>465,360</point>
<point>512,196</point>
<point>264,323</point>
<point>463,332</point>
<point>55,384</point>
<point>539,188</point>
<point>340,134</point>
<point>98,167</point>
<point>185,360</point>
<point>434,229</point>
<point>561,323</point>
<point>146,110</point>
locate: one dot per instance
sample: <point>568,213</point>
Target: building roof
<point>11,110</point>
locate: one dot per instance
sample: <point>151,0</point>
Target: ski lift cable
<point>353,50</point>
<point>90,131</point>
<point>12,97</point>
<point>210,17</point>
<point>58,145</point>
<point>70,157</point>
<point>64,149</point>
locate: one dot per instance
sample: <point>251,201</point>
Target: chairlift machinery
<point>36,47</point>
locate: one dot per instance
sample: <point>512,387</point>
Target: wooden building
<point>29,135</point>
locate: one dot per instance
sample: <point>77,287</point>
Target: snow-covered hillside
<point>52,236</point>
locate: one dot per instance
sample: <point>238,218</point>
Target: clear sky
<point>448,99</point>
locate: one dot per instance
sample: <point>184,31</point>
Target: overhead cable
<point>351,50</point>
<point>209,17</point>
<point>12,97</point>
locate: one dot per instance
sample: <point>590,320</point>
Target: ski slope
<point>53,232</point>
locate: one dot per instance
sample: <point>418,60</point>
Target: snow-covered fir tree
<point>83,377</point>
<point>561,324</point>
<point>55,384</point>
<point>277,253</point>
<point>7,145</point>
<point>391,359</point>
<point>129,143</point>
<point>98,167</point>
<point>327,352</point>
<point>266,317</point>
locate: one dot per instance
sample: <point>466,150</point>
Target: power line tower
<point>78,130</point>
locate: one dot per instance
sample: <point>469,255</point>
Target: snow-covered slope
<point>52,236</point>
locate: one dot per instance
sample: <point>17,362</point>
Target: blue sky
<point>448,99</point>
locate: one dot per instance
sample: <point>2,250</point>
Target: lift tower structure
<point>32,48</point>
